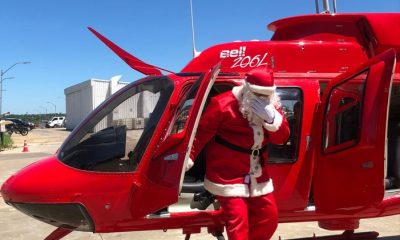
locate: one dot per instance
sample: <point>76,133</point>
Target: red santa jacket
<point>229,172</point>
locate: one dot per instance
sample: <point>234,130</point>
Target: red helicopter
<point>339,84</point>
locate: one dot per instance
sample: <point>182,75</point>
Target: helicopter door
<point>160,185</point>
<point>349,169</point>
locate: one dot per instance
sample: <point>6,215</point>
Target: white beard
<point>244,97</point>
<point>246,110</point>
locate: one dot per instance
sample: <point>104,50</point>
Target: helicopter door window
<point>185,107</point>
<point>116,136</point>
<point>343,115</point>
<point>292,107</point>
<point>183,114</point>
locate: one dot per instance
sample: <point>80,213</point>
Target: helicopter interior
<point>291,100</point>
<point>107,145</point>
<point>393,165</point>
<point>116,136</point>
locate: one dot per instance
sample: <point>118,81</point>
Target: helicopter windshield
<point>114,137</point>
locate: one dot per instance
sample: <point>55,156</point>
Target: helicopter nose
<point>6,190</point>
<point>16,188</point>
<point>22,186</point>
<point>37,183</point>
<point>34,191</point>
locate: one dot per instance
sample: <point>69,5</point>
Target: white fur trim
<point>260,189</point>
<point>239,190</point>
<point>227,190</point>
<point>258,136</point>
<point>262,89</point>
<point>189,164</point>
<point>255,167</point>
<point>273,127</point>
<point>237,92</point>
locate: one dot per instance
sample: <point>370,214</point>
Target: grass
<point>7,141</point>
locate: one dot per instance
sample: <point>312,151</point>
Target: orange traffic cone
<point>25,147</point>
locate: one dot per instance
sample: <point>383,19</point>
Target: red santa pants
<point>253,218</point>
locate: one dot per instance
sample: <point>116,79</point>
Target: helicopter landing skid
<point>346,235</point>
<point>59,233</point>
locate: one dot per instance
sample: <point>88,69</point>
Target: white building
<point>84,97</point>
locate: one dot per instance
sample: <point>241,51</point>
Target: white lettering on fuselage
<point>248,61</point>
<point>233,53</point>
<point>241,60</point>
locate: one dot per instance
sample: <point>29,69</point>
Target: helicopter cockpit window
<point>292,107</point>
<point>343,114</point>
<point>115,136</point>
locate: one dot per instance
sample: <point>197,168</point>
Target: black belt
<point>256,152</point>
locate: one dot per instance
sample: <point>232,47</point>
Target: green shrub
<point>6,141</point>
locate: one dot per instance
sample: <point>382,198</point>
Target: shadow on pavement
<point>390,238</point>
<point>18,156</point>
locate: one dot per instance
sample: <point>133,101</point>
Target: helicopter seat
<point>194,178</point>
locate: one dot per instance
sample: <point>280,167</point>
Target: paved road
<point>17,226</point>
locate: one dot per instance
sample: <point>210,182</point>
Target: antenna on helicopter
<point>195,52</point>
<point>334,6</point>
<point>326,6</point>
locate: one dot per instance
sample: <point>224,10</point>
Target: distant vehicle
<point>56,122</point>
<point>17,129</point>
<point>21,124</point>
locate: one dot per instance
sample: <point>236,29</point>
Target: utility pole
<point>55,107</point>
<point>2,79</point>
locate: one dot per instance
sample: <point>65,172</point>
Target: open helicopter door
<point>162,179</point>
<point>349,169</point>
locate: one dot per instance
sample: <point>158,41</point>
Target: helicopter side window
<point>343,115</point>
<point>116,135</point>
<point>292,107</point>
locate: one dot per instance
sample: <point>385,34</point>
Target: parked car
<point>56,122</point>
<point>20,124</point>
<point>18,129</point>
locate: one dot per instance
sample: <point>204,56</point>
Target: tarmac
<point>14,225</point>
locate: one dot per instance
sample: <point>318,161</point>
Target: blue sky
<point>53,35</point>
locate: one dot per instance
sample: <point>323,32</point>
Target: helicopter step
<point>346,235</point>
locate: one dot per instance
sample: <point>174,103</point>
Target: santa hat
<point>260,80</point>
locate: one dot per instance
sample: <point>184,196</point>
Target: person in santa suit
<point>236,128</point>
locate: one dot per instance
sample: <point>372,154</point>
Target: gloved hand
<point>189,164</point>
<point>263,109</point>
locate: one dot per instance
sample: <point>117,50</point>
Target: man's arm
<point>278,130</point>
<point>208,127</point>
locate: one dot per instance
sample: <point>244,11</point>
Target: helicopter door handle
<point>368,164</point>
<point>172,157</point>
<point>308,142</point>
